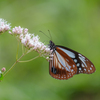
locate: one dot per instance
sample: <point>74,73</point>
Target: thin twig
<point>17,51</point>
<point>30,59</point>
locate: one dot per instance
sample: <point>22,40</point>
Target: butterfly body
<point>66,62</point>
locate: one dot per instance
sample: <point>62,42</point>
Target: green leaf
<point>1,77</point>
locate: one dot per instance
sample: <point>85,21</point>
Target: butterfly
<point>66,62</point>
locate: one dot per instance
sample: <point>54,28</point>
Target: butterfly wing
<point>62,66</point>
<point>84,65</point>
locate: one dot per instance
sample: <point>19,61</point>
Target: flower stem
<point>30,59</point>
<point>14,64</point>
<point>17,51</point>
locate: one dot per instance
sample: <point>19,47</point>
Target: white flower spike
<point>31,41</point>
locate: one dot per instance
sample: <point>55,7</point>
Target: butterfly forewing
<point>62,66</point>
<point>84,65</point>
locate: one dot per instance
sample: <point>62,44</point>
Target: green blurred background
<point>72,23</point>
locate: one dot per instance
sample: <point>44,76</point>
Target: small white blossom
<point>51,55</point>
<point>21,36</point>
<point>36,38</point>
<point>47,50</point>
<point>17,30</point>
<point>43,47</point>
<point>28,36</point>
<point>23,41</point>
<point>25,30</point>
<point>30,43</point>
<point>10,32</point>
<point>4,26</point>
<point>48,59</point>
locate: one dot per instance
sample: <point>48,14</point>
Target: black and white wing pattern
<point>66,62</point>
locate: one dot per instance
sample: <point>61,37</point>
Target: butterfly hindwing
<point>62,66</point>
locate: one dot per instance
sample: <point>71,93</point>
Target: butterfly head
<point>52,46</point>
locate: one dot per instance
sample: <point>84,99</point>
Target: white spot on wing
<point>79,71</point>
<point>72,70</point>
<point>84,69</point>
<point>69,53</point>
<point>79,68</point>
<point>73,66</point>
<point>90,68</point>
<point>62,77</point>
<point>91,65</point>
<point>78,64</point>
<point>75,60</point>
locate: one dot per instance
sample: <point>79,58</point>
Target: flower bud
<point>3,69</point>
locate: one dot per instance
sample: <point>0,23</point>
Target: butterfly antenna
<point>44,34</point>
<point>50,34</point>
